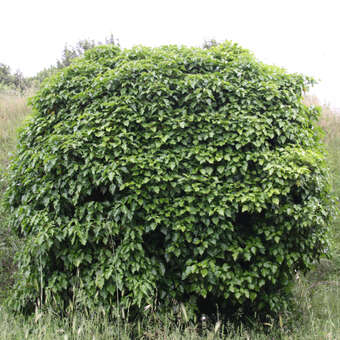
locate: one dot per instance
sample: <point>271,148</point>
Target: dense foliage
<point>171,174</point>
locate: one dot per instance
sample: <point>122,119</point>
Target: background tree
<point>71,52</point>
<point>207,44</point>
<point>6,77</point>
<point>11,80</point>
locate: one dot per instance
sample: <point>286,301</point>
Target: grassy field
<point>317,295</point>
<point>13,110</point>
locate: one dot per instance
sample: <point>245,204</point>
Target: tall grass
<point>317,295</point>
<point>98,326</point>
<point>13,110</point>
<point>330,122</point>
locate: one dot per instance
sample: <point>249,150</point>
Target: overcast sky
<point>299,35</point>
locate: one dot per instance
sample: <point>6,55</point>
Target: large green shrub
<point>168,174</point>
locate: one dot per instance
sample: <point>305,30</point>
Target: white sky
<point>299,35</point>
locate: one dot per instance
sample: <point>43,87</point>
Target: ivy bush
<point>167,175</point>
